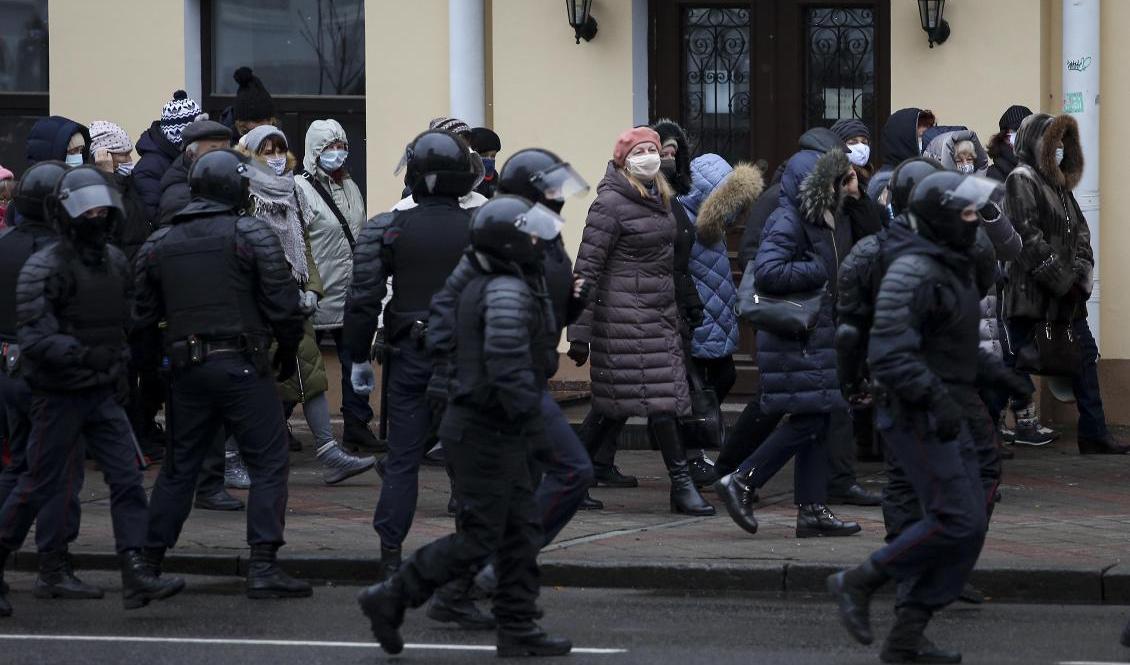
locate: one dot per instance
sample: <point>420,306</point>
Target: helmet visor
<point>78,201</point>
<point>541,222</point>
<point>560,182</point>
<point>478,168</point>
<point>257,173</point>
<point>975,192</point>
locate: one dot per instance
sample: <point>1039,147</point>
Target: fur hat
<point>629,140</point>
<point>252,101</point>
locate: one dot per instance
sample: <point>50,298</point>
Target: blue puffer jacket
<point>801,249</point>
<point>719,196</point>
<point>49,138</point>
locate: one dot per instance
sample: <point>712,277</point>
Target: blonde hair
<point>291,160</point>
<point>661,186</point>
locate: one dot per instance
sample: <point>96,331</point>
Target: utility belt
<point>11,358</point>
<point>193,351</point>
<point>412,326</point>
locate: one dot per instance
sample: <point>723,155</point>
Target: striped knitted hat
<point>177,114</point>
<point>453,125</point>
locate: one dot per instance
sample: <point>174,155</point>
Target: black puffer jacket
<point>174,191</point>
<point>135,225</point>
<point>157,155</point>
<point>1052,276</point>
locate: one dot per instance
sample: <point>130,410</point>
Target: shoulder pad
<point>915,267</point>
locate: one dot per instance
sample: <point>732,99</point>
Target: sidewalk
<point>1062,533</point>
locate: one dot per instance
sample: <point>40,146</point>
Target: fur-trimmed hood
<point>1037,140</point>
<point>731,199</point>
<point>820,191</point>
<point>669,129</point>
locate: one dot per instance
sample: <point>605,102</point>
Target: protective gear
<point>218,182</point>
<point>73,161</point>
<point>937,202</point>
<point>541,177</point>
<point>965,169</point>
<point>332,160</point>
<point>362,378</point>
<point>124,169</point>
<point>860,154</point>
<point>79,191</point>
<point>1058,156</point>
<point>277,164</point>
<point>35,187</point>
<point>905,176</point>
<point>439,163</point>
<point>644,167</point>
<point>505,229</point>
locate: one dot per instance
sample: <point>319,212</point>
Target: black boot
<point>852,590</point>
<point>589,503</point>
<point>971,594</point>
<point>702,471</point>
<point>357,436</point>
<point>907,643</point>
<point>530,640</point>
<point>609,475</point>
<point>452,603</point>
<point>384,604</point>
<point>1104,445</point>
<point>5,606</point>
<point>390,562</point>
<point>685,498</point>
<point>1125,634</point>
<point>266,580</point>
<point>57,579</point>
<point>815,519</point>
<point>739,496</point>
<point>140,585</point>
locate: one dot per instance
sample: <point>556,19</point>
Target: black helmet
<point>439,162</point>
<point>218,182</point>
<point>937,202</point>
<point>905,176</point>
<point>79,191</point>
<point>34,188</point>
<point>502,229</point>
<point>540,176</point>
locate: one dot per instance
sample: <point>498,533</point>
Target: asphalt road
<point>213,623</point>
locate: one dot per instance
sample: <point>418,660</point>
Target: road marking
<point>1090,662</point>
<point>271,643</point>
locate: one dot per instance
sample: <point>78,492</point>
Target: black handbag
<point>704,427</point>
<point>793,315</point>
<point>1052,351</point>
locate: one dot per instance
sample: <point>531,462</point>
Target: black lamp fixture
<point>930,13</point>
<point>580,18</point>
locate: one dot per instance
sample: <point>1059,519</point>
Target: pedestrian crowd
<point>900,301</point>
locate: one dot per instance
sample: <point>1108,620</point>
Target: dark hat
<point>1011,119</point>
<point>252,101</point>
<point>847,128</point>
<point>485,140</point>
<point>204,129</point>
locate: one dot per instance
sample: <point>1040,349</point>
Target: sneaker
<point>235,473</point>
<point>1007,435</point>
<point>1029,433</point>
<point>338,465</point>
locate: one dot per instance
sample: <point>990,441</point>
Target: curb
<point>1107,585</point>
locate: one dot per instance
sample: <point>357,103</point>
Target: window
<point>23,76</point>
<point>715,96</point>
<point>840,66</point>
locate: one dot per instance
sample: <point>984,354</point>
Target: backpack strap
<point>329,201</point>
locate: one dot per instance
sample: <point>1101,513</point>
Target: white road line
<point>1090,662</point>
<point>270,643</point>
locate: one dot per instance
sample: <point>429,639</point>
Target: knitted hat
<point>253,139</point>
<point>453,125</point>
<point>252,101</point>
<point>177,114</point>
<point>205,129</point>
<point>1011,119</point>
<point>5,174</point>
<point>108,136</point>
<point>630,139</point>
<point>485,140</point>
<point>849,128</point>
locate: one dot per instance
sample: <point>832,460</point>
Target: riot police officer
<point>220,280</point>
<point>503,350</point>
<point>417,248</point>
<point>72,306</point>
<point>58,521</point>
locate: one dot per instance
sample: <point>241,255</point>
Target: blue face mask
<point>73,160</point>
<point>488,165</point>
<point>332,160</point>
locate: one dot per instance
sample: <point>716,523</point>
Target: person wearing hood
<point>274,200</point>
<point>159,146</point>
<point>632,326</point>
<point>487,144</point>
<point>902,139</point>
<point>334,211</point>
<point>957,150</point>
<point>1002,145</point>
<point>199,138</point>
<point>59,139</point>
<point>1051,281</point>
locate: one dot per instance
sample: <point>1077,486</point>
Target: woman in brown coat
<point>632,326</point>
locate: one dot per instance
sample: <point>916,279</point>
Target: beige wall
<point>1115,133</point>
<point>122,60</point>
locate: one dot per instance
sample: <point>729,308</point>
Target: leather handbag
<point>792,315</point>
<point>1052,351</point>
<point>704,427</point>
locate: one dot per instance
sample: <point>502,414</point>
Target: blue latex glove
<point>363,378</point>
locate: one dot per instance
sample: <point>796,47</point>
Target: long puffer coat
<point>328,243</point>
<point>627,251</point>
<point>801,248</point>
<point>719,196</point>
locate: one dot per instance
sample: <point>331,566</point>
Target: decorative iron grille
<point>839,66</point>
<point>715,81</point>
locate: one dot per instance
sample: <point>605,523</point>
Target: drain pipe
<point>467,60</point>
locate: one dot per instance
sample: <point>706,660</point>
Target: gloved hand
<point>1054,276</point>
<point>578,353</point>
<point>363,378</point>
<point>990,212</point>
<point>285,363</point>
<point>101,358</point>
<point>948,417</point>
<point>307,302</point>
<point>858,394</point>
<point>582,289</point>
<point>694,316</point>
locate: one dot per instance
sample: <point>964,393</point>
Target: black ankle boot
<point>685,498</point>
<point>815,519</point>
<point>140,585</point>
<point>907,642</point>
<point>452,603</point>
<point>57,579</point>
<point>852,590</point>
<point>738,495</point>
<point>384,604</point>
<point>5,606</point>
<point>702,471</point>
<point>390,562</point>
<point>611,476</point>
<point>530,640</point>
<point>266,580</point>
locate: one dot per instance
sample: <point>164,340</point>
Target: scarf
<point>276,203</point>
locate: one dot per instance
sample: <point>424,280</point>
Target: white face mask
<point>1058,156</point>
<point>332,160</point>
<point>965,169</point>
<point>73,160</point>
<point>860,154</point>
<point>644,166</point>
<point>278,164</point>
<point>1012,139</point>
<point>125,168</point>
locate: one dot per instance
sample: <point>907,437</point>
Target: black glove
<point>948,417</point>
<point>578,353</point>
<point>990,212</point>
<point>436,393</point>
<point>285,363</point>
<point>101,358</point>
<point>694,316</point>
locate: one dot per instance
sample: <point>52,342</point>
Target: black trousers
<point>497,516</point>
<point>225,390</point>
<point>60,422</point>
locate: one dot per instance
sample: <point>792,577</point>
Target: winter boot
<point>357,436</point>
<point>685,498</point>
<point>140,585</point>
<point>235,472</point>
<point>702,471</point>
<point>610,476</point>
<point>266,580</point>
<point>486,581</point>
<point>852,590</point>
<point>528,639</point>
<point>384,604</point>
<point>589,503</point>
<point>1028,431</point>
<point>907,644</point>
<point>57,579</point>
<point>815,519</point>
<point>218,500</point>
<point>971,594</point>
<point>338,465</point>
<point>1105,445</point>
<point>390,562</point>
<point>739,495</point>
<point>5,606</point>
<point>1125,634</point>
<point>452,603</point>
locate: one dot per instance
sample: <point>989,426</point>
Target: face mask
<point>488,165</point>
<point>278,164</point>
<point>968,236</point>
<point>124,169</point>
<point>332,160</point>
<point>1012,139</point>
<point>91,232</point>
<point>73,160</point>
<point>860,154</point>
<point>1058,156</point>
<point>644,166</point>
<point>965,169</point>
<point>668,167</point>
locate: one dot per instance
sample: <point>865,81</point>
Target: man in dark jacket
<point>902,139</point>
<point>220,281</point>
<point>159,146</point>
<point>1001,147</point>
<point>72,302</point>
<point>503,351</point>
<point>60,139</point>
<point>200,138</point>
